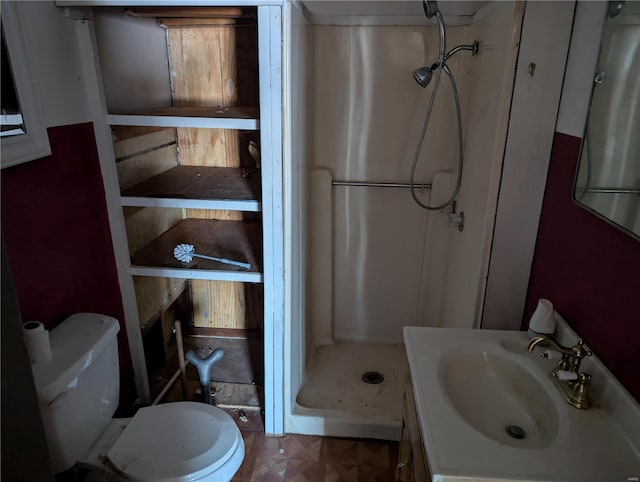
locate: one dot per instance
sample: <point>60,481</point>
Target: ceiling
<point>389,12</point>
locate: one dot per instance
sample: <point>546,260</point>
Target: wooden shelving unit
<point>190,162</point>
<point>189,173</point>
<point>187,101</point>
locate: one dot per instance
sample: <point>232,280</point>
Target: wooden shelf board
<point>198,188</point>
<point>245,118</point>
<point>236,240</point>
<point>198,331</point>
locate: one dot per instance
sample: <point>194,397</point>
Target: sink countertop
<point>596,445</point>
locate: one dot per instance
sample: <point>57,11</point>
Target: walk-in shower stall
<point>365,260</point>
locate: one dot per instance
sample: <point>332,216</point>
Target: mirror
<point>11,123</point>
<point>24,134</point>
<point>608,177</point>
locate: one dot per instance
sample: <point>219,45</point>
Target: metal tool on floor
<point>204,371</point>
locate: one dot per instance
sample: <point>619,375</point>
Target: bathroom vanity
<point>481,406</point>
<point>412,464</point>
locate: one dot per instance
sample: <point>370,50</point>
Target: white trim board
<point>271,122</point>
<point>104,144</point>
<point>205,274</point>
<point>546,32</point>
<point>231,205</point>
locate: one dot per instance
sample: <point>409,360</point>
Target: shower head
<point>430,8</point>
<point>423,75</point>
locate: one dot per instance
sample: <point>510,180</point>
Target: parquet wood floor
<point>307,458</point>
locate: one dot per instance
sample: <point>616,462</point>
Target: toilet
<point>78,391</point>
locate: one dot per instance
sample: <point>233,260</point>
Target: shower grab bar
<point>611,190</point>
<point>380,184</point>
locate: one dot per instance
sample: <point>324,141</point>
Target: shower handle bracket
<point>456,220</point>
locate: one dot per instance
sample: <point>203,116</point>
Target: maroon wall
<point>56,230</point>
<point>589,270</point>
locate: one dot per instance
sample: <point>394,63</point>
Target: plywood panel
<point>222,304</point>
<point>143,152</point>
<point>205,147</point>
<point>218,304</point>
<point>153,294</point>
<point>197,82</point>
<point>129,140</point>
<point>228,78</point>
<point>214,214</point>
<point>145,225</point>
<point>140,168</point>
<point>205,83</point>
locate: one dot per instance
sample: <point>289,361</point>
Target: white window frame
<point>35,143</point>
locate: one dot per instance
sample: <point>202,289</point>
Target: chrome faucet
<point>573,383</point>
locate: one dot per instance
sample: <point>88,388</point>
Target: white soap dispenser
<point>543,320</point>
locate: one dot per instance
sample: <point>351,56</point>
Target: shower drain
<point>516,432</point>
<point>372,377</point>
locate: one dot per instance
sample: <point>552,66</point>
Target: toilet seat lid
<point>175,442</point>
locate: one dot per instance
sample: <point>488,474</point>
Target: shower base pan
<point>353,389</point>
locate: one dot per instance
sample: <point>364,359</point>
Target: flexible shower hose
<point>442,66</point>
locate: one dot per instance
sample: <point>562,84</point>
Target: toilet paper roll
<point>36,338</point>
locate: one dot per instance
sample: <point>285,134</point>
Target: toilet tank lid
<point>75,343</point>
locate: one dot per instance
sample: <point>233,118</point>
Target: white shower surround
<point>356,114</point>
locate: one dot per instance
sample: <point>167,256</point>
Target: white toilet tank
<point>78,388</point>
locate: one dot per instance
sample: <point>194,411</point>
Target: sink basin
<point>499,398</point>
<point>488,411</point>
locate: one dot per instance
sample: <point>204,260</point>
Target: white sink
<point>488,411</point>
<point>499,398</point>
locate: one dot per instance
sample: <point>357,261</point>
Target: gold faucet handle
<point>579,395</point>
<point>579,351</point>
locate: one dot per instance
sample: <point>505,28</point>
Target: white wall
<point>134,62</point>
<point>486,88</point>
<point>54,58</point>
<point>368,113</point>
<point>541,64</point>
